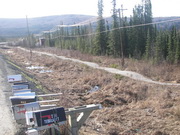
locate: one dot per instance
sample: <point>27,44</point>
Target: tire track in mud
<point>130,74</point>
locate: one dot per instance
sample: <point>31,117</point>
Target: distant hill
<point>18,27</point>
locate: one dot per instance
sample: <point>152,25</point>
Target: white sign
<point>14,78</point>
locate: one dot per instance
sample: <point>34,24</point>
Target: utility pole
<point>121,40</point>
<point>29,41</point>
<point>62,34</point>
<point>90,36</point>
<point>59,39</point>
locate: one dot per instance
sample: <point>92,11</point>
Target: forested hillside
<point>138,37</point>
<point>18,27</point>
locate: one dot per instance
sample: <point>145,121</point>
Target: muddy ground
<point>129,107</point>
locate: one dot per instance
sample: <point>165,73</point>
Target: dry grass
<point>162,72</point>
<point>129,107</point>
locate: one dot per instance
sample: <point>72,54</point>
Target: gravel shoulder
<point>7,124</point>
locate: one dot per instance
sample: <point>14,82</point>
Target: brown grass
<point>162,72</point>
<point>129,107</point>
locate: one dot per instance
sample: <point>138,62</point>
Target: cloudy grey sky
<point>38,8</point>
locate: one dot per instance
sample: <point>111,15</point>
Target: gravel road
<point>7,124</point>
<point>130,74</point>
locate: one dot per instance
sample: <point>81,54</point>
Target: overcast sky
<point>38,8</point>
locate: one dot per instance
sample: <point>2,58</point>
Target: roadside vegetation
<point>129,106</point>
<point>136,37</point>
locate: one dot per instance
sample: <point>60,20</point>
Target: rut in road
<point>130,74</point>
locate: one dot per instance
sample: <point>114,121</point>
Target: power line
<point>89,21</point>
<point>124,27</point>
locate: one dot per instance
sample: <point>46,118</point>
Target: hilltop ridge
<point>18,27</point>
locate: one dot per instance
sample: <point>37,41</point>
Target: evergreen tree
<point>100,43</point>
<point>177,53</point>
<point>170,51</point>
<point>139,33</point>
<point>142,14</point>
<point>158,49</point>
<point>148,46</point>
<point>148,16</point>
<point>172,40</point>
<point>114,43</point>
<point>131,39</point>
<point>107,37</point>
<point>125,37</point>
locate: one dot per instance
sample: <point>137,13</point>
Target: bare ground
<point>129,107</point>
<point>7,124</point>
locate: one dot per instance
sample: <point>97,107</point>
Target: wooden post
<point>73,124</point>
<point>78,115</point>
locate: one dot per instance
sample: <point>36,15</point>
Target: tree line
<point>135,37</point>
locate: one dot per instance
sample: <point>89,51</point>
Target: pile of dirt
<point>129,107</point>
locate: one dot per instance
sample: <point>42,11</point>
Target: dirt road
<point>129,106</point>
<point>7,124</point>
<point>130,74</point>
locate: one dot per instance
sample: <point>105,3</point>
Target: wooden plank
<point>46,95</point>
<point>48,101</point>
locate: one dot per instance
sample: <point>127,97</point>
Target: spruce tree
<point>107,37</point>
<point>148,16</point>
<point>170,51</point>
<point>177,53</point>
<point>158,49</point>
<point>148,46</point>
<point>100,43</point>
<point>114,43</point>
